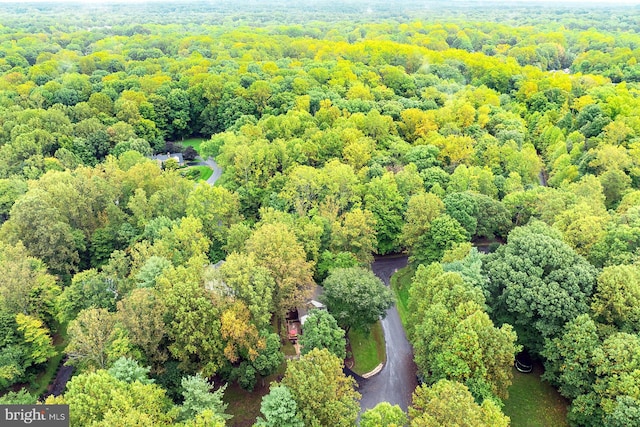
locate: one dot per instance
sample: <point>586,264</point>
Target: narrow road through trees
<point>397,380</point>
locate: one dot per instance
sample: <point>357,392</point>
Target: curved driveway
<point>397,380</point>
<point>217,170</point>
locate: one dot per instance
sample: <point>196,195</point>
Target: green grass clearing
<point>368,348</point>
<point>192,142</point>
<point>534,403</point>
<point>400,283</point>
<point>205,172</point>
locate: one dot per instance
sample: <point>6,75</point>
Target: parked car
<point>523,362</point>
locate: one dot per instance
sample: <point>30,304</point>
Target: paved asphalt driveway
<point>397,380</point>
<point>217,171</point>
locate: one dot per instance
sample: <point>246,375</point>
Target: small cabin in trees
<point>161,158</point>
<point>297,317</point>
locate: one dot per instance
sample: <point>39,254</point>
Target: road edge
<point>375,371</point>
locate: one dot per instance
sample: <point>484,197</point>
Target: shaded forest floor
<point>245,405</point>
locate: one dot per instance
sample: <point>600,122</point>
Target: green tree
<point>324,394</point>
<point>355,232</point>
<point>198,398</point>
<point>98,399</point>
<point>617,297</point>
<point>192,319</point>
<point>322,331</point>
<point>614,184</point>
<point>626,413</point>
<point>151,270</point>
<point>568,358</point>
<point>454,338</point>
<point>26,286</point>
<point>182,242</point>
<point>493,217</point>
<point>10,190</point>
<point>383,415</point>
<point>443,234</point>
<point>422,209</point>
<point>451,403</point>
<point>463,208</point>
<point>356,297</point>
<point>535,258</point>
<point>217,208</point>
<point>279,409</point>
<point>270,357</point>
<point>249,282</point>
<point>88,289</point>
<point>617,369</point>
<point>40,226</point>
<point>277,249</point>
<point>142,313</point>
<point>386,203</point>
<point>37,338</point>
<point>89,337</point>
<point>329,261</point>
<point>129,370</point>
<point>20,397</point>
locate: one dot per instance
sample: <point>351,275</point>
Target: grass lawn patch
<point>368,348</point>
<point>400,283</point>
<point>192,142</point>
<point>205,172</point>
<point>534,403</point>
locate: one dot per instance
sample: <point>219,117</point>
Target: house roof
<point>313,303</point>
<point>167,156</point>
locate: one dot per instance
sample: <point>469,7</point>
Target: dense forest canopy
<point>343,131</point>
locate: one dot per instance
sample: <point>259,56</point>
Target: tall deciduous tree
<point>537,283</point>
<point>42,229</point>
<point>89,337</point>
<point>355,233</point>
<point>276,248</point>
<point>37,338</point>
<point>279,409</point>
<point>617,297</point>
<point>142,315</point>
<point>422,209</point>
<point>324,394</point>
<point>356,297</point>
<point>242,277</point>
<point>386,203</point>
<point>451,403</point>
<point>454,338</point>
<point>383,415</point>
<point>322,331</point>
<point>182,242</point>
<point>217,208</point>
<point>101,400</point>
<point>26,287</point>
<point>88,289</point>
<point>568,358</point>
<point>443,234</point>
<point>199,398</point>
<point>192,320</point>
